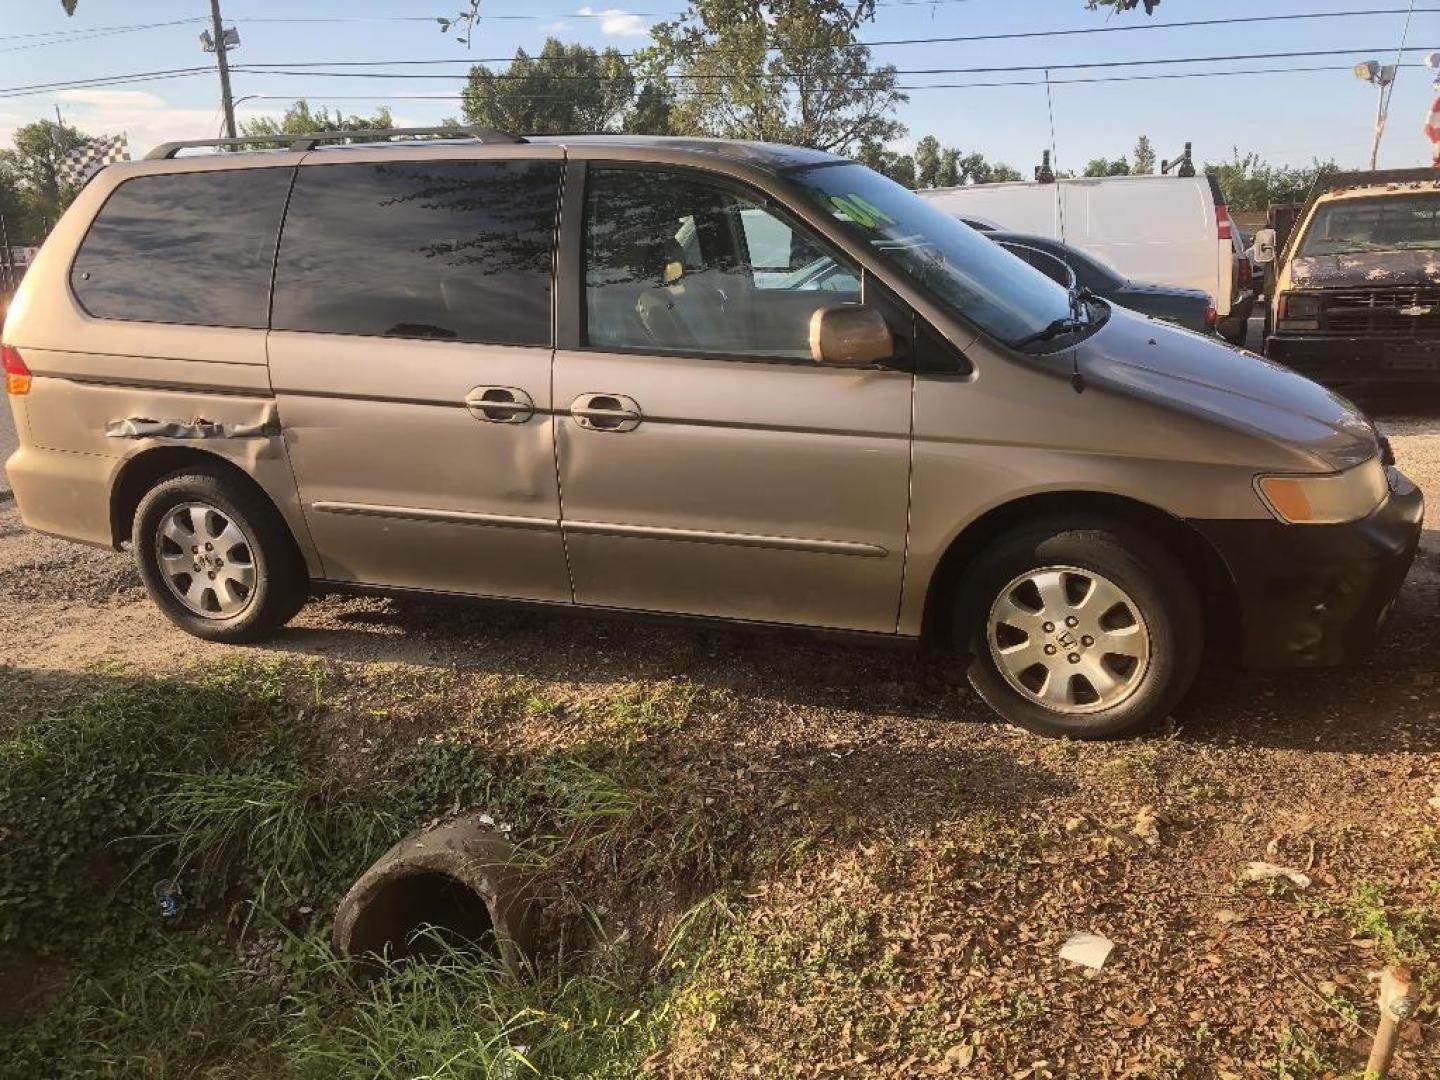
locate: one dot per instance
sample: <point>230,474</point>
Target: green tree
<point>898,167</point>
<point>1249,183</point>
<point>927,162</point>
<point>789,71</point>
<point>300,118</point>
<point>1144,155</point>
<point>1000,172</point>
<point>34,165</point>
<point>948,174</point>
<point>1101,167</point>
<point>565,90</point>
<point>12,206</point>
<point>650,113</point>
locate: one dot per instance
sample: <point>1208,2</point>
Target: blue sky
<point>1288,118</point>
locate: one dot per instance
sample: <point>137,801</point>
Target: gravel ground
<point>1235,980</point>
<point>8,442</point>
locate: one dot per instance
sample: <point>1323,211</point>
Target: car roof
<point>765,154</point>
<point>773,156</point>
<point>1369,191</point>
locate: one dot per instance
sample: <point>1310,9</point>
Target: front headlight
<point>1299,311</point>
<point>1331,499</point>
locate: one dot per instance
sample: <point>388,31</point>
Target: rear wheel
<point>1085,628</point>
<point>217,558</point>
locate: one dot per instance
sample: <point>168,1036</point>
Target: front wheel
<point>1088,629</point>
<point>217,558</point>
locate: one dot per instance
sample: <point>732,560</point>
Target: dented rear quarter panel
<point>91,373</point>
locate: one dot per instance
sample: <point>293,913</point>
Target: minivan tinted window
<point>193,247</point>
<point>455,250</point>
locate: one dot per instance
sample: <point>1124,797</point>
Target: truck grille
<point>1393,313</point>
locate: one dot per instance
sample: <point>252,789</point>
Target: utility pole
<point>220,45</point>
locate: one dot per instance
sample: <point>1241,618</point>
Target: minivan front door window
<point>999,293</point>
<point>676,264</point>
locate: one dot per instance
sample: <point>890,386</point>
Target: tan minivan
<point>696,377</point>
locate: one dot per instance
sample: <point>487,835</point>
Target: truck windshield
<point>1385,223</point>
<point>999,293</point>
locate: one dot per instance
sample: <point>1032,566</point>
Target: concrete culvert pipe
<point>457,878</point>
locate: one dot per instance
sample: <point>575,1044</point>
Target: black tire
<point>1132,560</point>
<point>280,582</point>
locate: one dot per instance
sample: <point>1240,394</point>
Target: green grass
<point>219,782</point>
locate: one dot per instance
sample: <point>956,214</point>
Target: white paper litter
<point>1267,871</point>
<point>1088,950</point>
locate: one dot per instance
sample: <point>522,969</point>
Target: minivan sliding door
<point>410,355</point>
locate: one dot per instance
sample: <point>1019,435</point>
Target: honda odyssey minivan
<point>695,377</point>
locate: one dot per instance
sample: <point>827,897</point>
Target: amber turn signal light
<point>17,375</point>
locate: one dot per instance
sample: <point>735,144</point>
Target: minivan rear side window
<point>452,250</point>
<point>195,248</point>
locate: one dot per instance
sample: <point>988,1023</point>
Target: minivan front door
<point>707,464</point>
<point>410,356</point>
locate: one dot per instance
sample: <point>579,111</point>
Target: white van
<point>1169,230</point>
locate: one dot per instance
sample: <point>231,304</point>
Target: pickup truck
<point>1357,288</point>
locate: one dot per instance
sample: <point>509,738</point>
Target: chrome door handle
<point>606,412</point>
<point>500,404</point>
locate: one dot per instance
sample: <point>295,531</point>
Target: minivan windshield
<point>999,293</point>
<point>1385,223</point>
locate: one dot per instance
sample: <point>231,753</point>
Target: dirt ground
<point>1335,773</point>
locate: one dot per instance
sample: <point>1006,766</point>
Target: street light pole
<point>1380,111</point>
<point>224,64</point>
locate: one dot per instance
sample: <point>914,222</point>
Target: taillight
<point>1246,274</point>
<point>17,375</point>
<point>1222,221</point>
<point>1210,316</point>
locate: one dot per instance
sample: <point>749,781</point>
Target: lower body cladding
<point>1318,595</point>
<point>1329,359</point>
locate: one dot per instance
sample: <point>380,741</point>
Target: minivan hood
<point>1308,425</point>
<point>1366,269</point>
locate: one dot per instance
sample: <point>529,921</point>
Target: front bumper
<point>1349,359</point>
<point>1318,595</point>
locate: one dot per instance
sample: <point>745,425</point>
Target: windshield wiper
<point>1066,324</point>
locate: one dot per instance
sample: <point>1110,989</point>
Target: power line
<point>887,42</point>
<point>72,84</point>
<point>100,29</point>
<point>456,97</point>
<point>259,69</point>
<point>64,37</point>
<point>276,69</point>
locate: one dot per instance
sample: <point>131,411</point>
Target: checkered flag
<point>85,161</point>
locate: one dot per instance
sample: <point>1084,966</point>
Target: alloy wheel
<point>207,560</point>
<point>1068,639</point>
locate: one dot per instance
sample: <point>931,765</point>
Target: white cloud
<point>555,27</point>
<point>618,23</point>
<point>147,119</point>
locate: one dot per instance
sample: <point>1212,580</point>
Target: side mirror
<point>1263,251</point>
<point>850,335</point>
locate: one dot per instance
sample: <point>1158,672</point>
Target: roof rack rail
<point>312,139</point>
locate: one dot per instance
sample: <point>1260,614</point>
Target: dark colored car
<point>1190,308</point>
